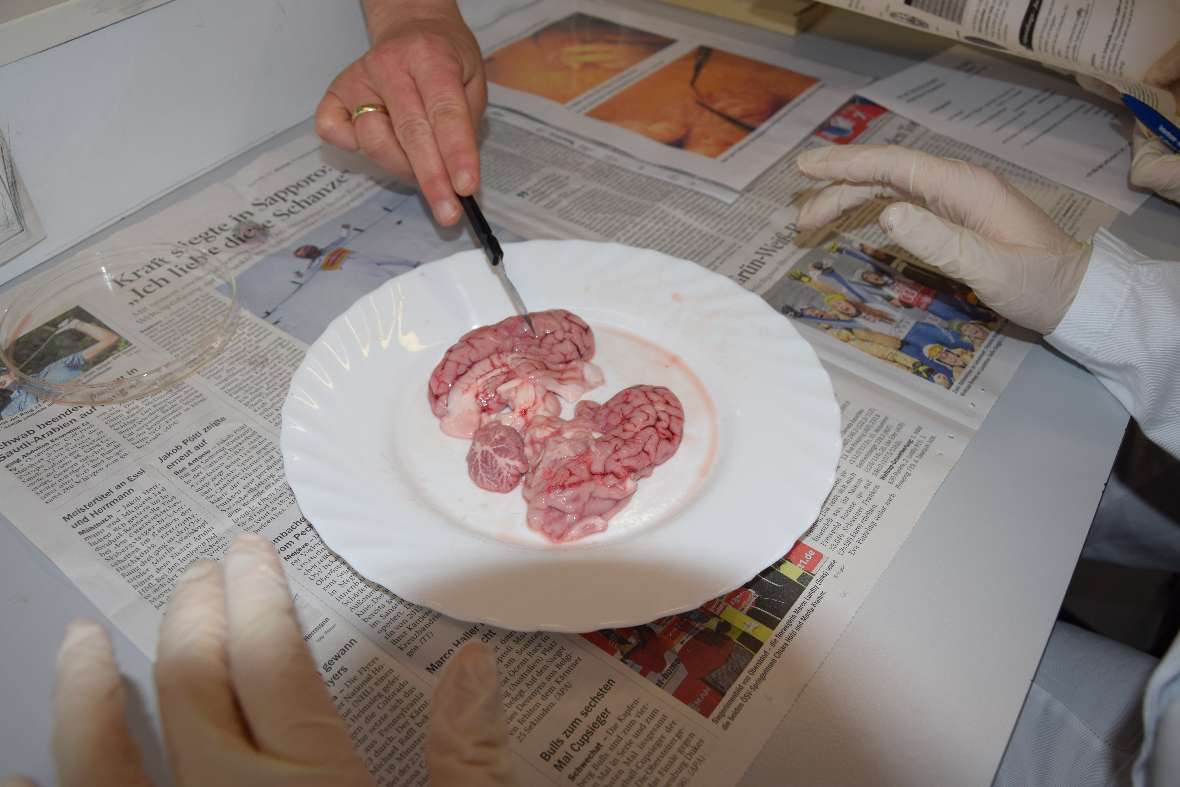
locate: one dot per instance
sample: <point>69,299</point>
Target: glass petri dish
<point>111,325</point>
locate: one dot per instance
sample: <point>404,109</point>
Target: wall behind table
<point>108,122</point>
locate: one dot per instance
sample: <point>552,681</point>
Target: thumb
<point>1031,286</point>
<point>91,742</point>
<point>1154,167</point>
<point>467,742</point>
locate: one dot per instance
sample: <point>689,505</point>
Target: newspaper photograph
<point>672,96</point>
<point>918,321</point>
<point>59,351</point>
<point>302,286</point>
<point>1115,42</point>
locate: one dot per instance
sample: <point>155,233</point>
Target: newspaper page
<point>1116,42</point>
<point>1035,119</point>
<point>698,109</point>
<point>124,497</point>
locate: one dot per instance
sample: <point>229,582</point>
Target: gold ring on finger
<point>363,108</point>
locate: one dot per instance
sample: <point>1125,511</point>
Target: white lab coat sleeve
<point>1124,326</point>
<point>1079,726</point>
<point>1158,763</point>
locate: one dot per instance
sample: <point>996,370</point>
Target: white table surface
<point>924,685</point>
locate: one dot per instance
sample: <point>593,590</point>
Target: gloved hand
<point>974,226</point>
<point>426,69</point>
<point>1153,166</point>
<point>241,700</point>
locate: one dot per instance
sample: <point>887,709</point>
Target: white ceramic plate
<point>389,492</point>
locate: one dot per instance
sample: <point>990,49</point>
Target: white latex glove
<point>241,700</point>
<point>467,741</point>
<point>975,226</point>
<point>1154,166</point>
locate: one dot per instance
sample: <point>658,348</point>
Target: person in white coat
<point>1109,308</point>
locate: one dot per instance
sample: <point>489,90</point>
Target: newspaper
<point>20,227</point>
<point>123,497</point>
<point>1022,114</point>
<point>697,109</point>
<point>1116,42</point>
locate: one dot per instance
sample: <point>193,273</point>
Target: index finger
<point>285,702</point>
<point>957,191</point>
<point>197,704</point>
<point>441,86</point>
<point>902,168</point>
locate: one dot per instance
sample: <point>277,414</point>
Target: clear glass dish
<point>112,325</point>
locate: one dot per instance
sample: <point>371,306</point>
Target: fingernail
<point>891,217</point>
<point>803,221</point>
<point>253,553</point>
<point>465,182</point>
<point>806,159</point>
<point>197,570</point>
<point>79,631</point>
<point>476,668</point>
<point>249,541</point>
<point>446,211</point>
<point>249,547</point>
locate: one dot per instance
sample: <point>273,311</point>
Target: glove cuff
<point>1100,297</point>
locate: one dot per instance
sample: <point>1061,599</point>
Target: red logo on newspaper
<point>850,121</point>
<point>805,557</point>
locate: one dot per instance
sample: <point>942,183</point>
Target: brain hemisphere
<point>583,471</point>
<point>504,367</point>
<point>640,426</point>
<point>566,499</point>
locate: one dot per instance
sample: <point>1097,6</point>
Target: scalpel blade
<point>483,231</point>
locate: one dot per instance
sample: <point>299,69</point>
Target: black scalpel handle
<point>483,230</point>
